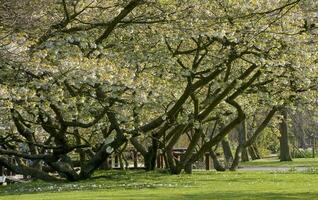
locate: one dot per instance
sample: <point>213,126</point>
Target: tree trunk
<point>150,160</point>
<point>237,158</point>
<point>80,152</point>
<point>188,168</point>
<point>242,134</point>
<point>223,132</point>
<point>27,171</point>
<point>216,164</point>
<point>121,162</point>
<point>283,140</point>
<point>254,152</point>
<point>151,156</point>
<point>172,162</point>
<point>185,158</point>
<point>227,151</point>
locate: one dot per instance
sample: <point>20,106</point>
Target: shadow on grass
<point>215,195</point>
<point>244,195</point>
<point>172,196</point>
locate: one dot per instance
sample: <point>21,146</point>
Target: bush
<point>301,153</point>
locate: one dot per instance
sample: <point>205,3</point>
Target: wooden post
<point>135,159</point>
<point>207,161</point>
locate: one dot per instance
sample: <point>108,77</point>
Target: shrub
<point>301,153</point>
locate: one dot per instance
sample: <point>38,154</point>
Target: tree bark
<point>227,151</point>
<point>242,134</point>
<point>254,152</point>
<point>27,171</point>
<point>216,164</point>
<point>237,158</point>
<point>253,138</point>
<point>223,132</point>
<point>184,160</point>
<point>283,140</point>
<point>150,159</point>
<point>188,168</point>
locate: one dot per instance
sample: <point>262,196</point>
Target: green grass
<point>274,162</point>
<point>155,185</point>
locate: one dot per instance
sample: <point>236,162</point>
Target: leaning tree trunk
<point>216,164</point>
<point>227,151</point>
<point>185,158</point>
<point>283,140</point>
<point>253,138</point>
<point>253,151</point>
<point>237,158</point>
<point>242,140</point>
<point>27,171</point>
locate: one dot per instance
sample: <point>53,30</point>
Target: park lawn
<point>124,185</point>
<point>274,162</point>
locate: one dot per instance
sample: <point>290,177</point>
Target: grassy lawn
<point>274,162</point>
<point>157,185</point>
